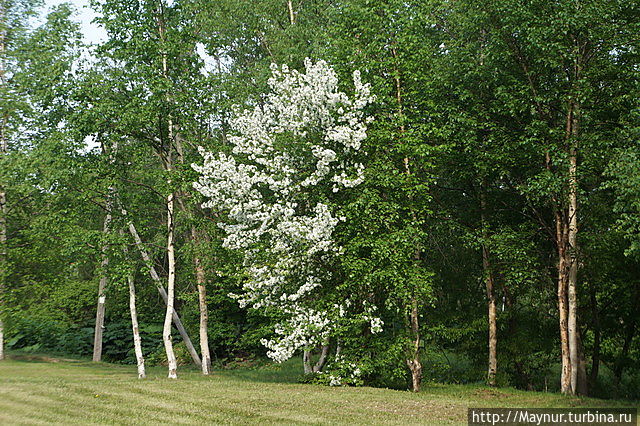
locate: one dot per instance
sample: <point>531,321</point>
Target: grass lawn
<point>45,391</point>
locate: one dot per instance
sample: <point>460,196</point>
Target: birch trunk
<point>572,240</point>
<point>414,364</point>
<point>292,16</point>
<point>201,280</point>
<point>204,313</point>
<point>563,312</point>
<point>168,164</point>
<point>156,278</point>
<point>137,341</point>
<point>166,332</point>
<point>202,289</point>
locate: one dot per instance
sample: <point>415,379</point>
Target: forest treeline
<point>416,191</point>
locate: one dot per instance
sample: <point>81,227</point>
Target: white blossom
<point>306,135</point>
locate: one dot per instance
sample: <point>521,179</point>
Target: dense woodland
<point>416,191</point>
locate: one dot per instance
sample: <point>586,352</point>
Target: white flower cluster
<point>375,322</point>
<point>305,328</point>
<point>304,138</point>
<point>343,372</point>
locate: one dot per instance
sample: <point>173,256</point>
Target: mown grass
<point>49,391</point>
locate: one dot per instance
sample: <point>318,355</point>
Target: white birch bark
<point>135,328</point>
<point>156,278</point>
<point>168,164</point>
<point>572,298</point>
<point>292,16</point>
<point>137,341</point>
<point>166,333</point>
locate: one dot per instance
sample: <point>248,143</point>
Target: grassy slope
<point>41,392</point>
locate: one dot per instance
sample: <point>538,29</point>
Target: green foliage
<point>468,151</point>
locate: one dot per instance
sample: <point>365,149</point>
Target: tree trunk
<point>204,313</point>
<point>306,361</point>
<point>156,278</point>
<point>102,286</point>
<point>491,296</point>
<point>104,279</point>
<point>565,378</point>
<point>573,248</point>
<point>166,332</point>
<point>137,342</point>
<point>414,364</point>
<point>292,16</point>
<point>582,387</point>
<point>595,357</point>
<point>619,364</point>
<point>323,359</point>
<point>168,165</point>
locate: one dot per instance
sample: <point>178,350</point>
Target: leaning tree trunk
<point>156,279</point>
<point>318,366</point>
<point>324,354</point>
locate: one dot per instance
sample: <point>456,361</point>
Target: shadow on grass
<point>288,372</point>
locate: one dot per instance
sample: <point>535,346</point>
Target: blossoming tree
<point>290,158</point>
